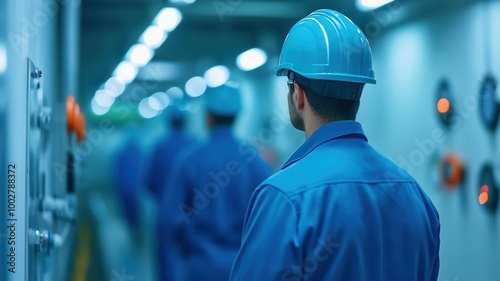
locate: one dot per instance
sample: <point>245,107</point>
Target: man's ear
<point>299,97</point>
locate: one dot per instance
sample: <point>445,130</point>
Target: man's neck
<point>312,124</point>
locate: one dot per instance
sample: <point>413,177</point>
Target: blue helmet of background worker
<point>224,101</point>
<point>329,54</point>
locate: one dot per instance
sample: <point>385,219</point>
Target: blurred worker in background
<point>213,184</point>
<point>129,177</point>
<point>166,151</point>
<point>338,209</point>
<point>163,159</point>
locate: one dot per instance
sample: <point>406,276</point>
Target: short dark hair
<point>223,120</point>
<point>331,109</point>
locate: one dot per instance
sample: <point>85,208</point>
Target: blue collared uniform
<point>163,159</point>
<point>128,179</point>
<point>339,210</point>
<point>213,185</point>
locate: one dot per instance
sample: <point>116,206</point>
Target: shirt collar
<point>327,132</point>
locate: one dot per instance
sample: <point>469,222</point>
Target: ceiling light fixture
<point>196,86</point>
<point>251,59</point>
<point>103,98</point>
<point>168,19</point>
<point>153,36</point>
<point>98,109</point>
<point>115,86</point>
<point>366,5</point>
<point>216,76</point>
<point>187,2</point>
<point>139,54</point>
<point>125,71</point>
<point>145,109</point>
<point>162,98</point>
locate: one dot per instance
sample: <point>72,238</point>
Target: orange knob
<point>451,170</point>
<point>70,117</point>
<point>80,129</point>
<point>75,119</point>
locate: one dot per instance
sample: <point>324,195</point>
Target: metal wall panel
<point>34,35</point>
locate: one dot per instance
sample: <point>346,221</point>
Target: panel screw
<point>45,117</point>
<point>37,73</point>
<point>41,241</point>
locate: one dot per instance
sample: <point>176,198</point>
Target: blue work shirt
<point>213,185</point>
<point>339,210</point>
<point>128,179</point>
<point>163,159</point>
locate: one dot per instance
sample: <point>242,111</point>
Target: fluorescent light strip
<point>216,76</point>
<point>366,5</point>
<point>251,59</point>
<point>139,54</point>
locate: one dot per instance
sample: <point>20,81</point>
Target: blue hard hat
<point>224,100</point>
<point>327,45</point>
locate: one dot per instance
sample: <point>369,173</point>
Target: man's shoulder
<point>330,167</point>
<point>287,181</point>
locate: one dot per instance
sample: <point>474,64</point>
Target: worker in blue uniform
<point>128,176</point>
<point>163,159</point>
<point>338,209</point>
<point>166,151</point>
<point>213,185</point>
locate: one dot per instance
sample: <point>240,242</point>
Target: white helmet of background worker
<point>328,53</point>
